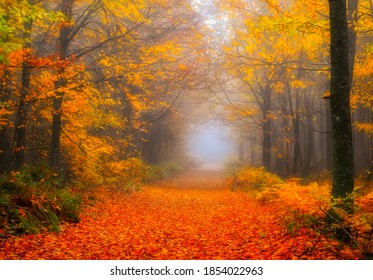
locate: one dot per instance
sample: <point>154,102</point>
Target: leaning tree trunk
<point>343,179</point>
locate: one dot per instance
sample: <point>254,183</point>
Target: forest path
<point>194,216</point>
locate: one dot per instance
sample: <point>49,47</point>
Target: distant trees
<point>278,55</point>
<point>280,74</point>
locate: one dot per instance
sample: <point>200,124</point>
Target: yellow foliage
<point>130,171</point>
<point>297,84</point>
<point>366,127</point>
<point>254,178</point>
<point>126,9</point>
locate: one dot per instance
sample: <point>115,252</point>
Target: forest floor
<point>194,216</point>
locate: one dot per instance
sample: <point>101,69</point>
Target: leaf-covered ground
<point>192,217</point>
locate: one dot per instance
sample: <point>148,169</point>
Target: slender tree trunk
<point>241,156</point>
<point>55,148</point>
<point>285,161</point>
<point>21,116</point>
<point>155,144</point>
<point>267,126</point>
<point>328,137</point>
<point>295,120</point>
<point>310,141</point>
<point>5,130</point>
<point>64,41</point>
<point>128,130</point>
<point>253,157</point>
<point>352,18</point>
<point>296,127</point>
<point>343,177</point>
<point>253,151</point>
<point>370,148</point>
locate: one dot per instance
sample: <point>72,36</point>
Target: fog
<point>210,144</point>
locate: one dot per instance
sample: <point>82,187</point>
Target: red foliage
<point>194,217</point>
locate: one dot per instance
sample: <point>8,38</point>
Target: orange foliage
<point>195,217</point>
<point>307,205</point>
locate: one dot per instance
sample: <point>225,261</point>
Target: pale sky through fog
<point>210,143</point>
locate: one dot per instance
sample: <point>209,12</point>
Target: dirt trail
<point>195,216</point>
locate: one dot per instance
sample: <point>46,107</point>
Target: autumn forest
<point>186,129</point>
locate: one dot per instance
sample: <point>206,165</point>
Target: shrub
<point>36,199</point>
<point>355,228</point>
<point>233,166</point>
<point>129,174</point>
<point>69,206</point>
<point>154,173</point>
<point>307,206</point>
<point>163,171</point>
<point>170,168</point>
<point>254,178</point>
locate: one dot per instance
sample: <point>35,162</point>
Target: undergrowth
<point>163,171</point>
<point>307,206</point>
<point>131,174</point>
<point>254,178</point>
<point>35,199</point>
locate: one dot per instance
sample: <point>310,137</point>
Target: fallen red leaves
<point>193,217</point>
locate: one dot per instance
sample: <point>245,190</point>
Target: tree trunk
<point>296,128</point>
<point>5,130</point>
<point>267,125</point>
<point>241,156</point>
<point>21,116</point>
<point>328,139</point>
<point>352,18</point>
<point>253,143</point>
<point>343,179</point>
<point>155,144</point>
<point>63,44</point>
<point>310,141</point>
<point>55,148</point>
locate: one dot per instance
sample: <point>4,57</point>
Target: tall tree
<point>23,106</point>
<point>343,177</point>
<point>63,44</point>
